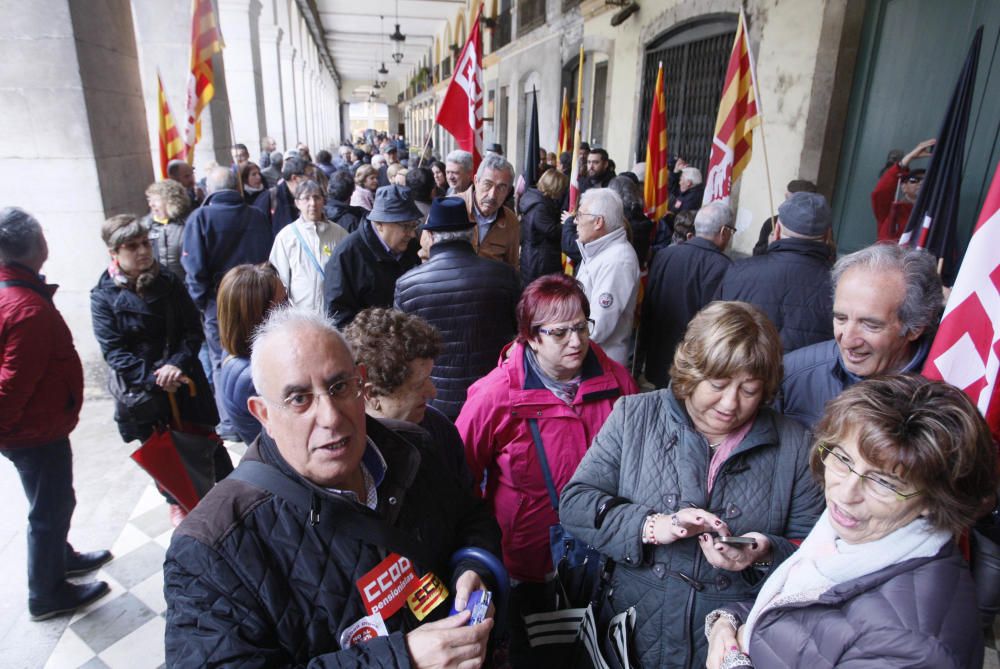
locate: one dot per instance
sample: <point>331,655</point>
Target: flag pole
<point>760,112</point>
<point>427,142</point>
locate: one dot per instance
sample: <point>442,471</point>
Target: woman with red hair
<point>551,392</point>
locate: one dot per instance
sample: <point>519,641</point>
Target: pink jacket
<point>494,426</point>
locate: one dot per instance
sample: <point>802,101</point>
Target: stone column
<point>288,93</point>
<point>242,78</point>
<point>270,74</point>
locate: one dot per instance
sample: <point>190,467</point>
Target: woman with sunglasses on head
<point>712,486</point>
<point>555,380</point>
<point>906,464</point>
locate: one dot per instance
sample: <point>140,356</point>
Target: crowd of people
<point>436,364</point>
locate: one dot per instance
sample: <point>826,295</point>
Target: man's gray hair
<point>277,158</point>
<point>220,178</point>
<point>20,235</point>
<point>693,174</point>
<point>438,237</point>
<point>283,321</point>
<point>460,157</point>
<point>711,218</point>
<point>924,299</point>
<point>495,162</point>
<point>605,203</point>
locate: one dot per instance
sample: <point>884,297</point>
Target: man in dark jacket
<point>338,208</point>
<point>272,173</point>
<point>471,300</point>
<point>683,278</point>
<point>41,392</point>
<point>218,236</point>
<point>599,173</point>
<point>886,305</point>
<point>336,561</point>
<point>791,282</point>
<point>364,267</point>
<point>278,202</point>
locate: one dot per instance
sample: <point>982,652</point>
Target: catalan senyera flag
<point>657,185</point>
<point>738,116</point>
<point>205,43</point>
<point>564,131</point>
<point>171,144</point>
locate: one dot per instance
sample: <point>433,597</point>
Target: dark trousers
<point>47,477</point>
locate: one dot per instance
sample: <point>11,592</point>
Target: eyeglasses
<point>583,328</point>
<point>914,180</point>
<point>731,228</point>
<point>878,487</point>
<point>580,215</point>
<point>409,227</point>
<point>339,391</point>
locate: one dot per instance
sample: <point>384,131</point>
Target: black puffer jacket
<point>471,300</point>
<point>683,278</point>
<point>250,581</point>
<point>345,215</point>
<point>134,338</point>
<point>362,274</point>
<point>791,284</point>
<point>918,613</point>
<point>541,232</point>
<point>649,453</point>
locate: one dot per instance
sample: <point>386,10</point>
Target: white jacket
<point>610,278</point>
<point>301,277</point>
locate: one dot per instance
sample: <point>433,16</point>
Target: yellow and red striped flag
<point>171,144</point>
<point>738,116</point>
<point>564,132</point>
<point>205,42</point>
<point>657,185</point>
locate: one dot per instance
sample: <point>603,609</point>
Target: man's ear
<point>258,409</point>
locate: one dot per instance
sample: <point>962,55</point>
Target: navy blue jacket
<point>219,235</point>
<point>683,278</point>
<point>236,387</point>
<point>279,207</point>
<point>791,284</point>
<point>362,274</point>
<point>471,301</point>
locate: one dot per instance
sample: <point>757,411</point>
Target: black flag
<point>531,157</point>
<point>935,214</point>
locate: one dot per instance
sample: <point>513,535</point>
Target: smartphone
<point>739,542</point>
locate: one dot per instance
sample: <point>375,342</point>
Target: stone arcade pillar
<point>237,21</point>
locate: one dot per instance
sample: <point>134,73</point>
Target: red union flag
<point>461,111</point>
<point>205,42</point>
<point>738,116</point>
<point>966,350</point>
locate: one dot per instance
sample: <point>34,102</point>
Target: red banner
<point>461,112</point>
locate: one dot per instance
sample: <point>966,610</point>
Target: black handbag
<point>137,403</point>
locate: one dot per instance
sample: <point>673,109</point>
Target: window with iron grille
<point>530,15</point>
<point>695,55</point>
<point>600,98</point>
<point>501,34</point>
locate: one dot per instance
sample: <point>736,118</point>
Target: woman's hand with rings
<point>733,557</point>
<point>687,523</point>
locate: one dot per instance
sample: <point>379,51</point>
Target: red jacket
<point>890,213</point>
<point>41,378</point>
<point>494,426</point>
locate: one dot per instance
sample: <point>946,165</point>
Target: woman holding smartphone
<point>716,485</point>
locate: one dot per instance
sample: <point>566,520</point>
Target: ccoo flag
<point>738,116</point>
<point>461,111</point>
<point>966,349</point>
<point>657,185</point>
<point>205,43</point>
<point>935,213</point>
<point>171,144</point>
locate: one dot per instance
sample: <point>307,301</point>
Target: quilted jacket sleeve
<point>595,482</point>
<point>214,619</point>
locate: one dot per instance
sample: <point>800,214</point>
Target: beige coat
<point>503,241</point>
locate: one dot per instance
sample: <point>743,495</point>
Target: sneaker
<point>69,598</point>
<point>81,563</point>
<point>177,514</point>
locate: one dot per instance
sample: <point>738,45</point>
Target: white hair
<point>283,321</point>
<point>692,174</point>
<point>497,163</point>
<point>607,204</point>
<point>711,218</point>
<point>378,160</point>
<point>462,158</point>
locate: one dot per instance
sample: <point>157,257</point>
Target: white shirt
<point>301,277</point>
<point>610,278</point>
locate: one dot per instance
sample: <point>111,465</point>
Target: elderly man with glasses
<point>683,278</point>
<point>332,544</point>
<point>364,268</point>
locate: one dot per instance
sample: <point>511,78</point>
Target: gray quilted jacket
<point>649,452</point>
<point>918,613</point>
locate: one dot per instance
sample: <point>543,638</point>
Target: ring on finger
<point>674,521</point>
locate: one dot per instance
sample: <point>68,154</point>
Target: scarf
<point>140,284</point>
<point>824,561</point>
<point>564,390</point>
